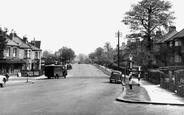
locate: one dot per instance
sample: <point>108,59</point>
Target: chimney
<point>12,35</point>
<point>172,28</point>
<point>24,39</point>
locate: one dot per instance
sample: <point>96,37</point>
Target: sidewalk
<point>13,79</point>
<point>159,95</point>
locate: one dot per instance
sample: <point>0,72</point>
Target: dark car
<point>116,77</point>
<point>69,66</point>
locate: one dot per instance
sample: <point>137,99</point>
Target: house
<point>36,56</point>
<point>163,44</point>
<point>176,42</point>
<point>20,55</point>
<point>10,62</point>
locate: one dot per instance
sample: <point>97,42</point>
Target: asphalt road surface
<point>85,91</point>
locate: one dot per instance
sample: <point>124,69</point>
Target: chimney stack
<point>24,39</point>
<point>12,35</point>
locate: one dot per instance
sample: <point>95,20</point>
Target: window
<point>15,52</point>
<point>177,43</point>
<point>36,55</point>
<point>177,58</point>
<point>170,44</point>
<point>27,53</point>
<point>8,52</point>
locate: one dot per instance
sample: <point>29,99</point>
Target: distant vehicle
<point>69,66</point>
<point>55,71</point>
<point>116,77</point>
<point>2,80</point>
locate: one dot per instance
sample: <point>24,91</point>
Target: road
<point>85,91</point>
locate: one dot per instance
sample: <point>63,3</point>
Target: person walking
<point>130,80</point>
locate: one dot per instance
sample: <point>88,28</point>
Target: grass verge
<point>137,93</point>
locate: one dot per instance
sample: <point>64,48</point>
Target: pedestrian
<point>130,80</point>
<point>7,76</point>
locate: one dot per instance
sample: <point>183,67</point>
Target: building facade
<point>20,55</point>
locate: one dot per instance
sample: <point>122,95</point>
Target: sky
<point>82,25</point>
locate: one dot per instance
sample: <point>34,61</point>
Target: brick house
<point>173,41</point>
<point>176,42</point>
<point>162,45</point>
<point>19,55</point>
<point>10,62</point>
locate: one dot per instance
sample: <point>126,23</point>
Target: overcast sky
<point>82,25</point>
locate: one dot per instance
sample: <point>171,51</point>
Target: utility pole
<point>118,35</point>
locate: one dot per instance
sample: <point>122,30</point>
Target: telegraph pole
<point>118,35</point>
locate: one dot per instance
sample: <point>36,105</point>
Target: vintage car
<point>115,77</point>
<point>55,71</point>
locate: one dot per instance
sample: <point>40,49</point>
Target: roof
<point>19,41</point>
<point>178,35</point>
<point>11,43</point>
<point>34,48</point>
<point>167,37</point>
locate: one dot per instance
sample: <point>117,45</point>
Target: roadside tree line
<point>145,19</point>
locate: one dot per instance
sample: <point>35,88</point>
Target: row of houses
<point>170,44</point>
<point>20,55</point>
<point>173,42</point>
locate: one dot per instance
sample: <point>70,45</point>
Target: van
<point>55,71</point>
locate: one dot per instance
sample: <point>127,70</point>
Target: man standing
<point>130,80</point>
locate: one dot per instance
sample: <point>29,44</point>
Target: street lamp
<point>131,65</point>
<point>130,74</point>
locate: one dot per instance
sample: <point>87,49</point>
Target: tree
<point>107,47</point>
<point>147,17</point>
<point>92,56</point>
<point>3,40</point>
<point>82,58</point>
<point>65,54</point>
<point>49,57</point>
<point>46,53</point>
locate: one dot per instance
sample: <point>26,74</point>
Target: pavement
<point>158,95</point>
<point>14,80</point>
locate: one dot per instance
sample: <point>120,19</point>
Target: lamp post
<point>130,74</point>
<point>118,34</point>
<point>131,64</point>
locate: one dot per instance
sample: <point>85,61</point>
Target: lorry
<point>55,71</point>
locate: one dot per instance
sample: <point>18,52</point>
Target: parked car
<point>2,80</point>
<point>55,71</point>
<point>69,66</point>
<point>115,77</point>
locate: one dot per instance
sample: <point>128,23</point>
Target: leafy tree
<point>65,54</point>
<point>92,56</point>
<point>46,53</point>
<point>147,17</point>
<point>49,57</point>
<point>3,40</point>
<point>82,58</point>
<point>108,52</point>
<point>107,47</point>
<point>98,53</point>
